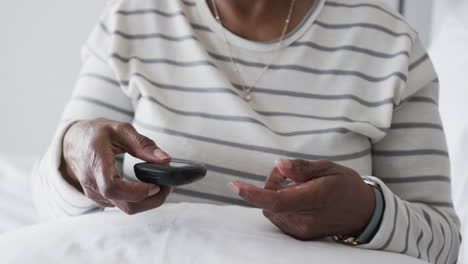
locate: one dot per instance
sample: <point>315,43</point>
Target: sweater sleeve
<point>411,163</point>
<point>97,93</point>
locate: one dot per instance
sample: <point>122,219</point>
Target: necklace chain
<point>247,89</point>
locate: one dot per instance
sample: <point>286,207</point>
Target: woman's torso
<point>329,94</point>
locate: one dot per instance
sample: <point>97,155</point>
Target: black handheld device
<point>177,172</point>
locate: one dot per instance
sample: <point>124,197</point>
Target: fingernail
<point>285,163</point>
<point>154,190</point>
<point>160,154</point>
<point>234,187</point>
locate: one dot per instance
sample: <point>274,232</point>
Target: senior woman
<point>338,96</point>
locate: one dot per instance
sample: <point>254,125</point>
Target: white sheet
<point>233,233</point>
<point>176,233</point>
<point>16,207</point>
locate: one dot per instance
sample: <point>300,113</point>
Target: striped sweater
<point>353,84</point>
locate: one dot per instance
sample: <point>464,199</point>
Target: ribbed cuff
<point>53,195</point>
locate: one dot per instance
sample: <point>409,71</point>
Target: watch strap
<point>373,224</point>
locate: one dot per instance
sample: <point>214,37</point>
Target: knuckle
<point>300,236</point>
<point>279,203</point>
<point>145,142</point>
<point>306,231</point>
<point>299,163</point>
<point>108,190</point>
<point>89,195</point>
<point>123,126</point>
<point>277,206</point>
<point>97,199</point>
<point>161,201</point>
<point>98,124</point>
<point>301,231</point>
<point>267,213</point>
<point>129,209</point>
<point>326,162</point>
<point>88,183</point>
<point>102,204</point>
<point>164,194</point>
<point>100,120</point>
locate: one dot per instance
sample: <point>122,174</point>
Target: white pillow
<point>177,233</point>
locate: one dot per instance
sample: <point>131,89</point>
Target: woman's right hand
<point>88,163</point>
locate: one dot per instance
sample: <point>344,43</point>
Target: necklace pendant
<point>247,97</point>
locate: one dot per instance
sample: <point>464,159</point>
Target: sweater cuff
<point>54,196</point>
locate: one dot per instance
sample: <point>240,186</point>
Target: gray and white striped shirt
<point>353,85</point>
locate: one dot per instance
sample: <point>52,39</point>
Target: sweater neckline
<point>239,41</point>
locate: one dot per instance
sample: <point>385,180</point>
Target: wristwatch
<point>370,229</point>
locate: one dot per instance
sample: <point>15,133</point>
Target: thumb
<point>141,147</point>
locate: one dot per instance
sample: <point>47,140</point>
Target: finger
<point>300,170</point>
<point>144,205</point>
<point>97,198</point>
<point>137,145</point>
<point>119,189</point>
<point>275,180</point>
<point>103,204</point>
<point>112,187</point>
<point>262,198</point>
<point>303,197</point>
<point>89,187</point>
<point>275,201</point>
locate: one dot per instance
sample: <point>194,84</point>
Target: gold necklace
<point>247,96</point>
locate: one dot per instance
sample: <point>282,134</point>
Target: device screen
<point>177,164</point>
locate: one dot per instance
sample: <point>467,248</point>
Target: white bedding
<point>176,233</point>
<point>16,207</point>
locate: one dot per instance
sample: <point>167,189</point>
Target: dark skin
<point>332,199</point>
<point>260,20</point>
<point>88,163</point>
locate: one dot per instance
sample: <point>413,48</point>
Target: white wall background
<point>39,61</point>
<point>449,51</point>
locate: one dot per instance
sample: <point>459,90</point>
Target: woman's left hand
<point>332,199</point>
